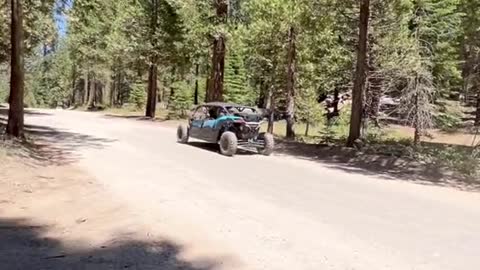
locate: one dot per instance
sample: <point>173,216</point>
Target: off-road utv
<point>230,126</point>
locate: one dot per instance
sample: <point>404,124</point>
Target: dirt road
<point>253,212</point>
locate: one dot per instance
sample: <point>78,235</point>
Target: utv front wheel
<point>268,144</point>
<point>228,144</point>
<point>182,133</point>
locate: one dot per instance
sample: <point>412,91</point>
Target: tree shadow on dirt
<point>24,245</point>
<point>48,146</point>
<point>4,112</point>
<point>388,165</point>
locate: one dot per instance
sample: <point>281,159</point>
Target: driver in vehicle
<point>212,113</point>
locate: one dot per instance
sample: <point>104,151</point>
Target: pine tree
<point>138,95</point>
<point>308,110</point>
<point>237,89</point>
<point>180,102</point>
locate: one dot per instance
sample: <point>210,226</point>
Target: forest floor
<point>103,192</point>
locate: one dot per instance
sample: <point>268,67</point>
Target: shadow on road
<point>133,117</point>
<point>23,245</point>
<point>136,117</point>
<point>49,146</point>
<point>4,112</point>
<point>388,166</point>
<point>212,147</point>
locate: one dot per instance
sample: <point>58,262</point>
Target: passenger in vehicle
<point>213,113</point>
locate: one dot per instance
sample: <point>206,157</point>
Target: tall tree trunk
<point>477,118</point>
<point>291,68</point>
<point>360,75</point>
<point>100,97</point>
<point>336,101</point>
<point>416,121</point>
<point>374,88</point>
<point>207,84</point>
<point>172,89</point>
<point>164,91</point>
<point>113,94</point>
<point>85,88</point>
<point>152,91</point>
<point>336,111</point>
<point>271,108</point>
<point>466,69</point>
<point>17,74</point>
<point>107,90</point>
<point>73,97</point>
<point>416,135</point>
<point>215,88</point>
<point>262,97</point>
<point>119,89</point>
<point>92,93</point>
<point>197,73</point>
<point>307,129</point>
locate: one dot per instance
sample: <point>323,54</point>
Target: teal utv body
<point>229,125</point>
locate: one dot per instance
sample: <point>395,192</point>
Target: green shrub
<point>448,121</point>
<point>181,101</point>
<point>138,95</point>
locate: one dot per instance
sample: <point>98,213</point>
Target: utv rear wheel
<point>228,144</point>
<point>182,133</point>
<point>268,144</point>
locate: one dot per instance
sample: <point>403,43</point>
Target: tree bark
<point>17,75</point>
<point>107,90</point>
<point>113,94</point>
<point>271,108</point>
<point>85,88</point>
<point>291,68</point>
<point>477,118</point>
<point>197,73</point>
<point>360,75</point>
<point>215,88</point>
<point>73,97</point>
<point>119,89</point>
<point>263,95</point>
<point>172,89</point>
<point>374,88</point>
<point>91,93</point>
<point>336,112</point>
<point>416,122</point>
<point>152,91</point>
<point>100,94</point>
